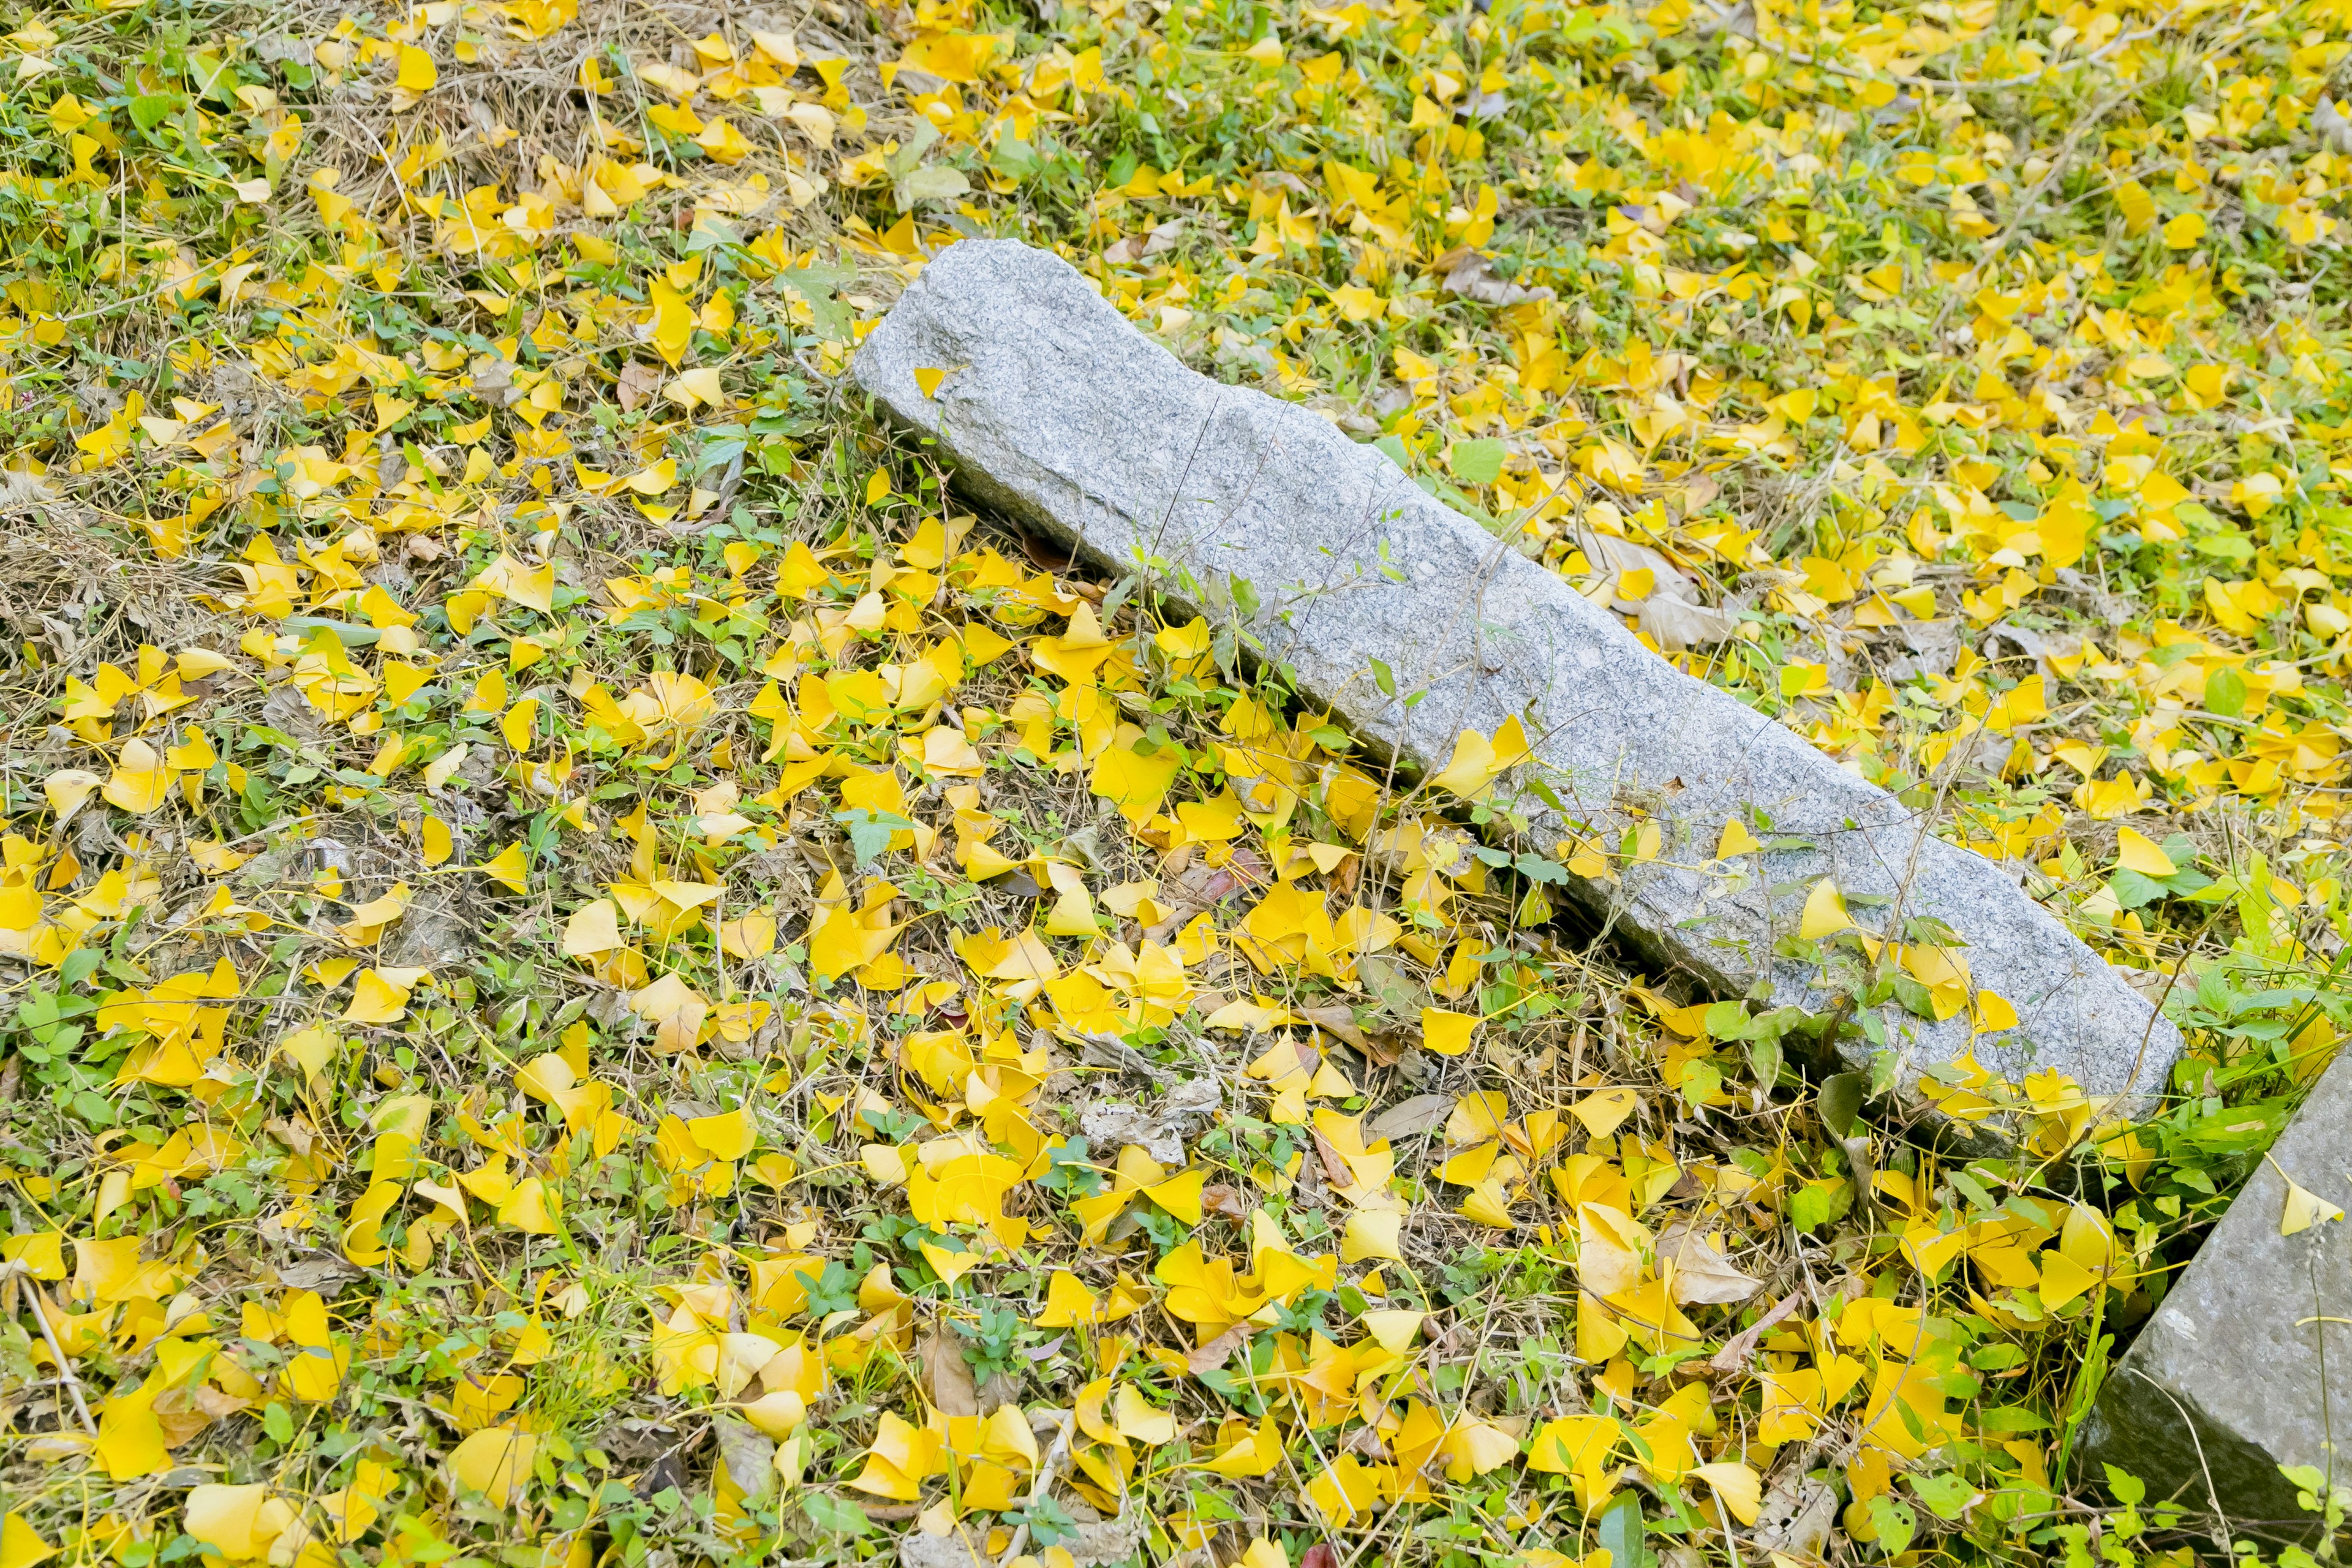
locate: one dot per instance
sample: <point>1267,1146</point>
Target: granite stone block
<point>1053,408</point>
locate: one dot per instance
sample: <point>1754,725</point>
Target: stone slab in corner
<point>1056,410</point>
<point>2248,1364</point>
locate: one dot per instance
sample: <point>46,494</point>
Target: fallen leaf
<point>2303,1208</point>
<point>1701,1274</point>
<point>637,382</point>
<point>1213,1355</point>
<point>947,1377</point>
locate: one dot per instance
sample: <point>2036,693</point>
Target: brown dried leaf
<point>1412,1118</point>
<point>1212,1356</point>
<point>1701,1275</point>
<point>639,381</point>
<point>1142,247</point>
<point>1042,553</point>
<point>1731,1361</point>
<point>295,1134</point>
<point>1335,1164</point>
<point>945,1376</point>
<point>1673,625</point>
<point>748,1455</point>
<point>182,1415</point>
<point>1218,1198</point>
<point>1473,277</point>
<point>1339,1022</point>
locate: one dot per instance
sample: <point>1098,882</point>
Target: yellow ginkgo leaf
<point>753,935</point>
<point>380,996</point>
<point>68,788</point>
<point>21,1545</point>
<point>2135,851</point>
<point>1447,1034</point>
<point>1470,1167</point>
<point>594,928</point>
<point>2137,205</point>
<point>1471,767</point>
<point>740,1357</point>
<point>1738,1485</point>
<point>1490,1203</point>
<point>694,388</point>
<point>655,479</point>
<point>1475,1447</point>
<point>1994,1013</point>
<point>140,780</point>
<point>1735,841</point>
<point>1477,762</point>
<point>436,840</point>
<point>1136,783</point>
<point>1181,1194</point>
<point>516,725</point>
<point>42,1254</point>
<point>1372,1234</point>
<point>240,1522</point>
<point>130,1434</point>
<point>214,858</point>
<point>883,1163</point>
<point>1357,304</point>
<point>417,71</point>
<point>530,1207</point>
<point>928,379</point>
<point>441,769</point>
<point>673,331</point>
<point>1574,1444</point>
<point>723,142</point>
<point>1394,1329</point>
<point>1826,913</point>
<point>533,587</point>
<point>2062,1279</point>
<point>2303,1208</point>
<point>1140,1420</point>
<point>727,1136</point>
<point>677,1011</point>
<point>509,867</point>
<point>1604,1112</point>
<point>1193,640</point>
<point>194,754</point>
<point>494,1462</point>
<point>311,1048</point>
<point>1478,1116</point>
<point>843,942</point>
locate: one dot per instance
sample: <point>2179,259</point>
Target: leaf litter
<point>598,968</point>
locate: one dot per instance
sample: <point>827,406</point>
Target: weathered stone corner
<point>2248,1364</point>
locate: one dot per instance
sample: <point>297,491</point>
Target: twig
<point>2188,1425</point>
<point>1048,1472</point>
<point>18,1268</point>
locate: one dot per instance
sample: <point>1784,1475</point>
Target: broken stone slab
<point>2248,1364</point>
<point>1057,411</point>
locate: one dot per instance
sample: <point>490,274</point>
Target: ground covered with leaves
<point>598,970</point>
